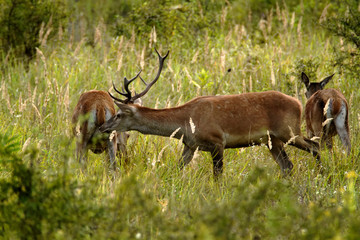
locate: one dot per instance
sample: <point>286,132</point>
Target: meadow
<point>47,194</point>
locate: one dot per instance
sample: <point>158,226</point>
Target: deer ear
<point>305,79</point>
<point>119,104</point>
<point>326,80</point>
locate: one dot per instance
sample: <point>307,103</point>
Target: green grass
<point>48,195</point>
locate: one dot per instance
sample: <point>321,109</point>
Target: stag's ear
<point>305,79</point>
<point>119,104</point>
<point>326,80</point>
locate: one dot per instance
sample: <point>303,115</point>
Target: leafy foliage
<point>347,26</point>
<point>23,20</point>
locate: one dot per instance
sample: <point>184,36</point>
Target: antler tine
<point>148,86</point>
<point>116,99</point>
<point>126,85</point>
<point>126,94</point>
<point>116,90</point>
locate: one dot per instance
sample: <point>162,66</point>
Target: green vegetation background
<point>52,51</point>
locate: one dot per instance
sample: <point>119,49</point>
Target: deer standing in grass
<point>93,109</point>
<point>214,123</point>
<point>326,113</point>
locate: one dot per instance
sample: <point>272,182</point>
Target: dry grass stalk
<point>328,120</point>
<point>324,13</point>
<point>112,135</point>
<point>243,85</point>
<point>26,145</point>
<point>37,112</point>
<point>66,99</point>
<point>299,31</point>
<point>223,17</point>
<point>142,58</point>
<point>222,60</point>
<point>190,78</point>
<point>48,28</point>
<point>326,108</point>
<point>250,84</point>
<point>292,139</point>
<point>269,21</point>
<point>78,47</point>
<point>60,33</point>
<point>120,59</point>
<point>152,38</point>
<point>292,22</point>
<point>272,75</point>
<point>192,125</point>
<point>174,133</point>
<point>262,26</point>
<point>269,140</point>
<point>195,57</point>
<point>97,35</point>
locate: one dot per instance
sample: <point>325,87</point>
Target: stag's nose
<point>104,129</point>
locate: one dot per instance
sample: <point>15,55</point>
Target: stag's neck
<point>162,122</point>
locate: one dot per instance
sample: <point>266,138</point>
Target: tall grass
<point>151,198</point>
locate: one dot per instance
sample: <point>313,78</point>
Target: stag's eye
<point>118,115</point>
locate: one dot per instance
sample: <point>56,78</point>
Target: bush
<point>347,26</point>
<point>22,20</point>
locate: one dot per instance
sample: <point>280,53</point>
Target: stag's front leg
<point>112,148</point>
<point>186,156</point>
<point>122,138</point>
<point>280,156</point>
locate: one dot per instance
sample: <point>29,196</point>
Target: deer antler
<point>127,92</point>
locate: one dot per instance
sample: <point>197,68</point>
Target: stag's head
<point>125,116</point>
<point>313,87</point>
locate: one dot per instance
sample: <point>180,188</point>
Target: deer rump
<point>326,114</point>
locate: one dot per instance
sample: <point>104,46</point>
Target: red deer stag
<point>213,123</point>
<point>326,113</point>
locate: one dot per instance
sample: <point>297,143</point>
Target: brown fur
<point>315,116</point>
<point>222,122</point>
<point>92,139</point>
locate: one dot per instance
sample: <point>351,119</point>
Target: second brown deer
<point>326,113</point>
<point>214,123</point>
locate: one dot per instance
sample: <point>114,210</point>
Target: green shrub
<point>346,25</point>
<point>22,22</point>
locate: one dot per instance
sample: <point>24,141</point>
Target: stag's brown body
<point>93,109</point>
<point>326,113</point>
<point>214,123</point>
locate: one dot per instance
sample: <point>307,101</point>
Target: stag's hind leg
<point>217,155</point>
<point>277,150</point>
